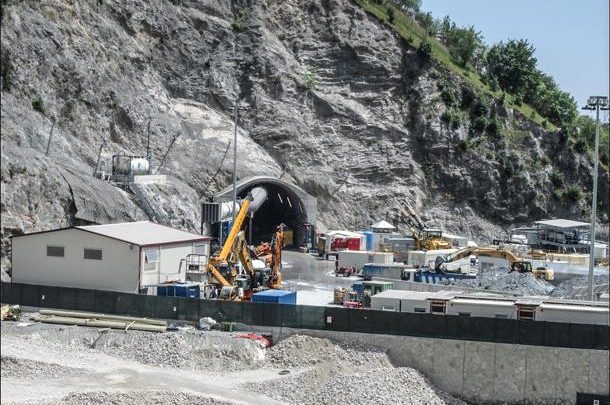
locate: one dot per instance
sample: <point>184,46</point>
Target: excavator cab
<point>229,292</point>
<point>521,267</point>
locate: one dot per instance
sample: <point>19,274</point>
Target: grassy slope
<point>407,28</point>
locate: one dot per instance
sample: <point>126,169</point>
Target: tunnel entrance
<point>281,207</point>
<point>285,204</point>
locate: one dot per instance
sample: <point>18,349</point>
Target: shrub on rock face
<point>391,15</point>
<point>425,49</point>
<point>479,124</point>
<point>573,193</point>
<point>37,104</point>
<point>556,178</point>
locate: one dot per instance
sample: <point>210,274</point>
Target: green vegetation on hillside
<point>506,71</point>
<point>411,31</point>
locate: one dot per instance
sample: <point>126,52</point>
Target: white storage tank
<point>139,166</point>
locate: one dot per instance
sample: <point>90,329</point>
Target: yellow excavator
<point>425,238</point>
<point>516,264</point>
<point>224,270</point>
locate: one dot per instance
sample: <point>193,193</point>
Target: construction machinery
<point>233,282</point>
<point>425,238</point>
<point>271,254</point>
<point>516,264</point>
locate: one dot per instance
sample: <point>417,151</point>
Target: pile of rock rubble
<point>327,373</point>
<point>131,398</point>
<point>499,279</point>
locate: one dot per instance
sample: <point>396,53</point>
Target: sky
<point>570,36</point>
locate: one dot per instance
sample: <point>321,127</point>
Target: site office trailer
<point>78,258</point>
<point>487,308</point>
<point>560,312</point>
<point>161,263</point>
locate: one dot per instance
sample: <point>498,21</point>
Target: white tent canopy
<point>383,226</point>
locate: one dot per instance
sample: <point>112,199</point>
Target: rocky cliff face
<point>330,99</point>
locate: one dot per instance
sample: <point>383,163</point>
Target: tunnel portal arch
<point>286,203</point>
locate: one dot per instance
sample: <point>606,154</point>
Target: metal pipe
<point>90,315</point>
<point>64,320</point>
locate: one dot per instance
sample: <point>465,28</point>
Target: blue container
<point>276,297</point>
<point>178,290</point>
<point>369,240</point>
<point>359,288</point>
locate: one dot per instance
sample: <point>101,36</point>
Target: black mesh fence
<point>312,317</point>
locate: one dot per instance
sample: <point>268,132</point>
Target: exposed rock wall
<point>331,99</point>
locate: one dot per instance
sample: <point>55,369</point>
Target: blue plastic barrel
<point>369,240</point>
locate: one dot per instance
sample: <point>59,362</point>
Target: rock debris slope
<point>332,100</point>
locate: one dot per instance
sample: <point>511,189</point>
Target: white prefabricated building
<point>124,257</point>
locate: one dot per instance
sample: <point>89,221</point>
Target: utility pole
<point>148,156</point>
<point>46,153</point>
<point>167,152</point>
<point>594,103</point>
<point>235,160</point>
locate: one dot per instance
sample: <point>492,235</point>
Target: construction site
<point>218,318</point>
<point>287,202</point>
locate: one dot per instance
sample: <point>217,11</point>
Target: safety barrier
<point>579,336</point>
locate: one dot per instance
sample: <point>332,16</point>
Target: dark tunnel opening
<point>282,206</point>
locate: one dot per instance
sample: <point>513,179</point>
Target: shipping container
<point>380,270</point>
<point>358,259</point>
<point>179,290</point>
<point>402,301</point>
<point>426,258</point>
<point>276,297</point>
<point>354,244</point>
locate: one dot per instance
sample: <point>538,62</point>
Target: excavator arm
<point>217,262</point>
<point>515,263</point>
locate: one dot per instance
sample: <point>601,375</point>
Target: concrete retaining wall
<point>482,372</point>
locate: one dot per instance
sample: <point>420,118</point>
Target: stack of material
<point>339,295</point>
<point>11,312</point>
<point>99,320</point>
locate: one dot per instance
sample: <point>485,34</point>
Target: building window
<point>388,308</point>
<point>151,257</point>
<point>55,251</point>
<point>526,313</point>
<point>438,307</point>
<point>200,249</point>
<point>419,309</point>
<point>93,254</point>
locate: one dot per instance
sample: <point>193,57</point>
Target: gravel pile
<point>186,349</point>
<point>501,280</point>
<point>304,351</point>
<point>11,367</point>
<point>132,397</point>
<point>567,288</point>
<point>344,374</point>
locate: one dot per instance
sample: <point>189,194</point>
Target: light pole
<point>594,103</point>
<point>236,107</point>
<point>235,161</point>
